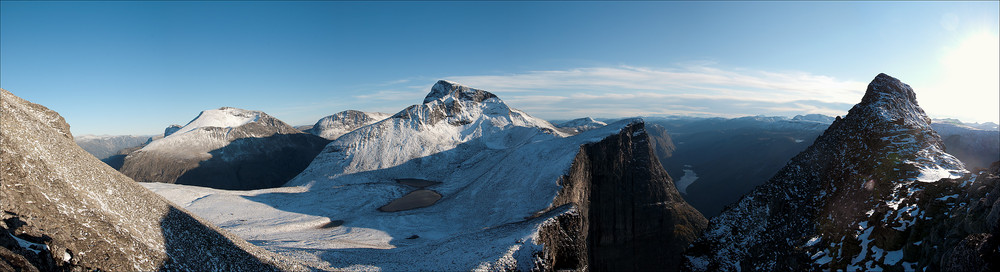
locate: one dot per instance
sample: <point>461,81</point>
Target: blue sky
<point>136,67</point>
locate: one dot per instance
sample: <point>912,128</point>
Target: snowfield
<point>498,170</point>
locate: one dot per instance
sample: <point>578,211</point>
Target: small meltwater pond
<point>414,200</point>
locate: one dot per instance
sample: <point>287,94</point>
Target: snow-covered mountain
<point>226,148</point>
<point>63,210</point>
<point>876,191</point>
<point>581,124</point>
<point>462,181</point>
<point>341,123</point>
<point>104,146</point>
<point>451,115</point>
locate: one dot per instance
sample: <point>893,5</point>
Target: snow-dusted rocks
<point>341,123</point>
<point>226,148</point>
<point>580,125</point>
<point>499,172</point>
<point>858,198</point>
<point>63,210</point>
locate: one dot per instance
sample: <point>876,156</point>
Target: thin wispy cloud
<point>691,89</point>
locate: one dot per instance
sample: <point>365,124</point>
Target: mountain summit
<point>891,100</point>
<point>443,89</point>
<point>226,148</point>
<point>861,197</point>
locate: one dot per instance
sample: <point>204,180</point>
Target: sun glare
<point>969,87</point>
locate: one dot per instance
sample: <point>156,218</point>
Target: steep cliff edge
<point>628,214</point>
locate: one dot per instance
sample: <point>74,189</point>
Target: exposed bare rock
<point>628,217</point>
<point>62,209</point>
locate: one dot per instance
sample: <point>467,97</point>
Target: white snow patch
<point>813,241</point>
<point>945,198</point>
<point>223,117</point>
<point>36,247</point>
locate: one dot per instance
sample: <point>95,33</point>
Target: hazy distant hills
<point>104,146</point>
<point>977,145</point>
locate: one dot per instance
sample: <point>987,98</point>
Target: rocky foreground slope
<point>226,148</point>
<point>876,191</point>
<point>62,209</point>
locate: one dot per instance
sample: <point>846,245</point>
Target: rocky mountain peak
<point>891,100</point>
<point>444,89</point>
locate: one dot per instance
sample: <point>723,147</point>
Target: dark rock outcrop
<point>628,215</point>
<point>171,129</point>
<point>62,209</point>
<point>262,153</point>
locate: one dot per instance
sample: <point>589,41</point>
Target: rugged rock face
<point>226,148</point>
<point>861,197</point>
<point>333,126</point>
<point>628,217</point>
<point>968,233</point>
<point>62,209</point>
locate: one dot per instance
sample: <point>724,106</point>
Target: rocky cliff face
<point>628,215</point>
<point>62,209</point>
<point>227,149</point>
<point>860,198</point>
